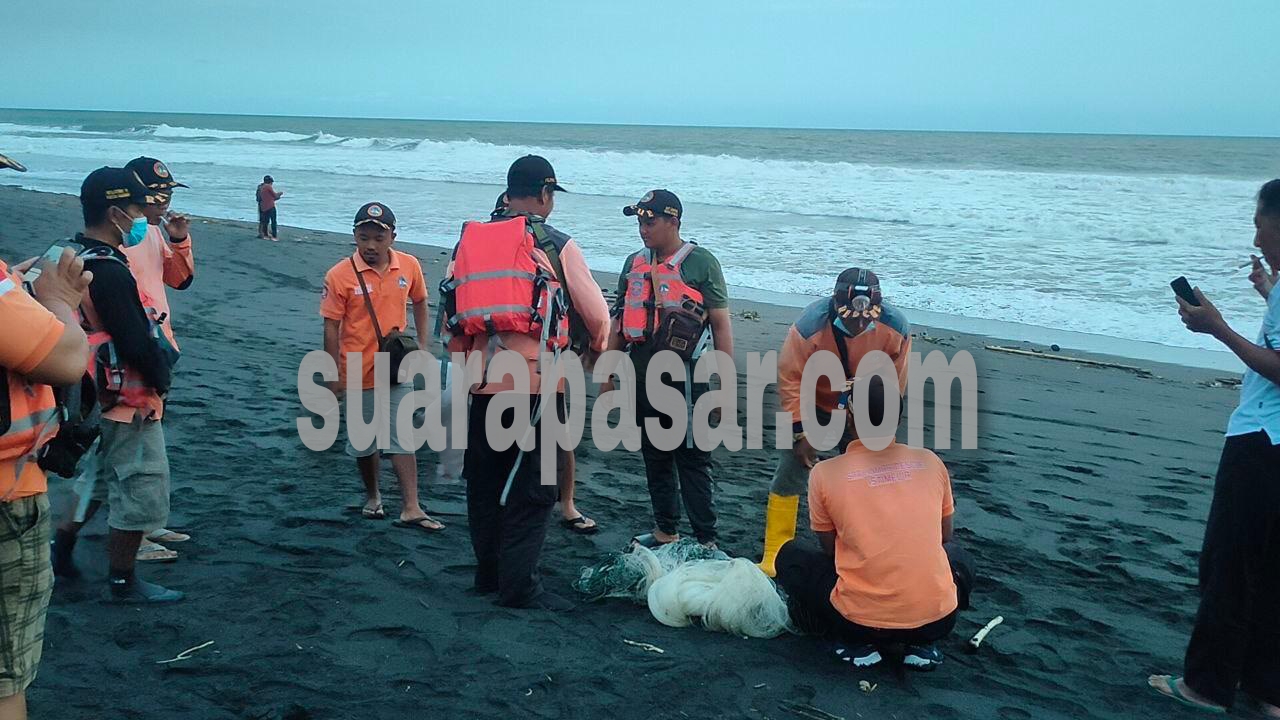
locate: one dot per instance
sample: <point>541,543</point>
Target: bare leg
<point>369,466</point>
<point>406,467</point>
<point>14,707</point>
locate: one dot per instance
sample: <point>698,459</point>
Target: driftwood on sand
<point>1143,372</point>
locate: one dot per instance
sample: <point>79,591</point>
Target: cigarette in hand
<point>975,642</point>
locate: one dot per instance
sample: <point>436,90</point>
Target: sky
<point>1112,66</point>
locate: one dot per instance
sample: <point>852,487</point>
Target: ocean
<point>1077,234</point>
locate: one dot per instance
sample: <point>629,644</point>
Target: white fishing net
<point>684,583</point>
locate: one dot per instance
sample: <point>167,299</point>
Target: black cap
<point>656,202</point>
<point>153,173</point>
<point>856,283</point>
<point>268,179</point>
<point>376,213</point>
<point>532,172</point>
<point>109,186</point>
<point>8,162</point>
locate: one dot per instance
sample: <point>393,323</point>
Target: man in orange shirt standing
<point>43,346</point>
<point>887,572</point>
<point>267,196</point>
<point>380,280</point>
<point>159,263</point>
<point>854,321</point>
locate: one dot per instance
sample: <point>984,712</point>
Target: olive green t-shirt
<point>700,270</point>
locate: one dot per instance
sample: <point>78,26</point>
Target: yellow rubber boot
<point>779,527</point>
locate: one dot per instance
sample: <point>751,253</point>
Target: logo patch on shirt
<point>404,284</point>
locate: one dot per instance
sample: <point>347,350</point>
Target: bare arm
<point>947,529</point>
<point>721,330</point>
<point>421,315</point>
<point>331,346</point>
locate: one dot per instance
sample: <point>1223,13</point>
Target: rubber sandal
<point>165,535</point>
<point>153,552</point>
<point>373,513</point>
<point>579,525</point>
<point>418,524</point>
<point>1173,692</point>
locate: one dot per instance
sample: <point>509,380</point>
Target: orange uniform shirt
<point>891,334</point>
<point>390,291</point>
<point>30,332</point>
<point>157,263</point>
<point>886,509</point>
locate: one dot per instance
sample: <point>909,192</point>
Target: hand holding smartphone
<point>52,254</point>
<point>1182,289</point>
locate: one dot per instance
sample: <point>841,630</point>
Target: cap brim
<point>379,223</point>
<point>558,187</point>
<point>630,211</point>
<point>8,162</point>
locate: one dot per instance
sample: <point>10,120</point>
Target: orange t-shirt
<point>30,334</point>
<point>341,300</point>
<point>886,509</point>
<point>157,263</point>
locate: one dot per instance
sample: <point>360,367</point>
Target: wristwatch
<point>797,437</point>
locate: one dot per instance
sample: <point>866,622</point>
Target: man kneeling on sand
<point>887,573</point>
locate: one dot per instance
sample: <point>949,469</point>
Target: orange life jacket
<point>118,383</point>
<point>642,306</point>
<point>498,286</point>
<point>28,419</point>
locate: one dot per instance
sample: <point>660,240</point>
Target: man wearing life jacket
<point>854,321</point>
<point>571,518</point>
<point>489,309</point>
<point>670,275</point>
<point>43,346</point>
<point>364,297</point>
<point>130,359</point>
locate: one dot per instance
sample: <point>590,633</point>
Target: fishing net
<point>683,583</point>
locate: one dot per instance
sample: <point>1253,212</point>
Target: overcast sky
<point>1126,66</point>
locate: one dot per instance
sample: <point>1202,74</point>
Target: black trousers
<point>673,475</point>
<point>266,217</point>
<point>808,574</point>
<point>1236,641</point>
<point>507,540</point>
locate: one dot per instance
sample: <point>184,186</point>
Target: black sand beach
<point>1084,506</point>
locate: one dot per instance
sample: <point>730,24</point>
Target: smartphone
<point>1183,290</point>
<point>52,254</point>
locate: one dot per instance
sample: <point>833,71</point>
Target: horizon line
<point>659,125</point>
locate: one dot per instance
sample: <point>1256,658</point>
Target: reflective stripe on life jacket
<point>498,286</point>
<point>30,420</point>
<point>642,307</point>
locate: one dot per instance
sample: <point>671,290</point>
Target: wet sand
<point>1084,506</point>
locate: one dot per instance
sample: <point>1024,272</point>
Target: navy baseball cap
<point>376,213</point>
<point>654,203</point>
<point>110,186</point>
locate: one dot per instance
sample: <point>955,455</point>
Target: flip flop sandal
<point>579,525</point>
<point>1176,694</point>
<point>165,535</point>
<point>419,524</point>
<point>152,552</point>
<point>373,513</point>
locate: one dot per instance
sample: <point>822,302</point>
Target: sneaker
<point>859,655</point>
<point>140,591</point>
<point>922,657</point>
